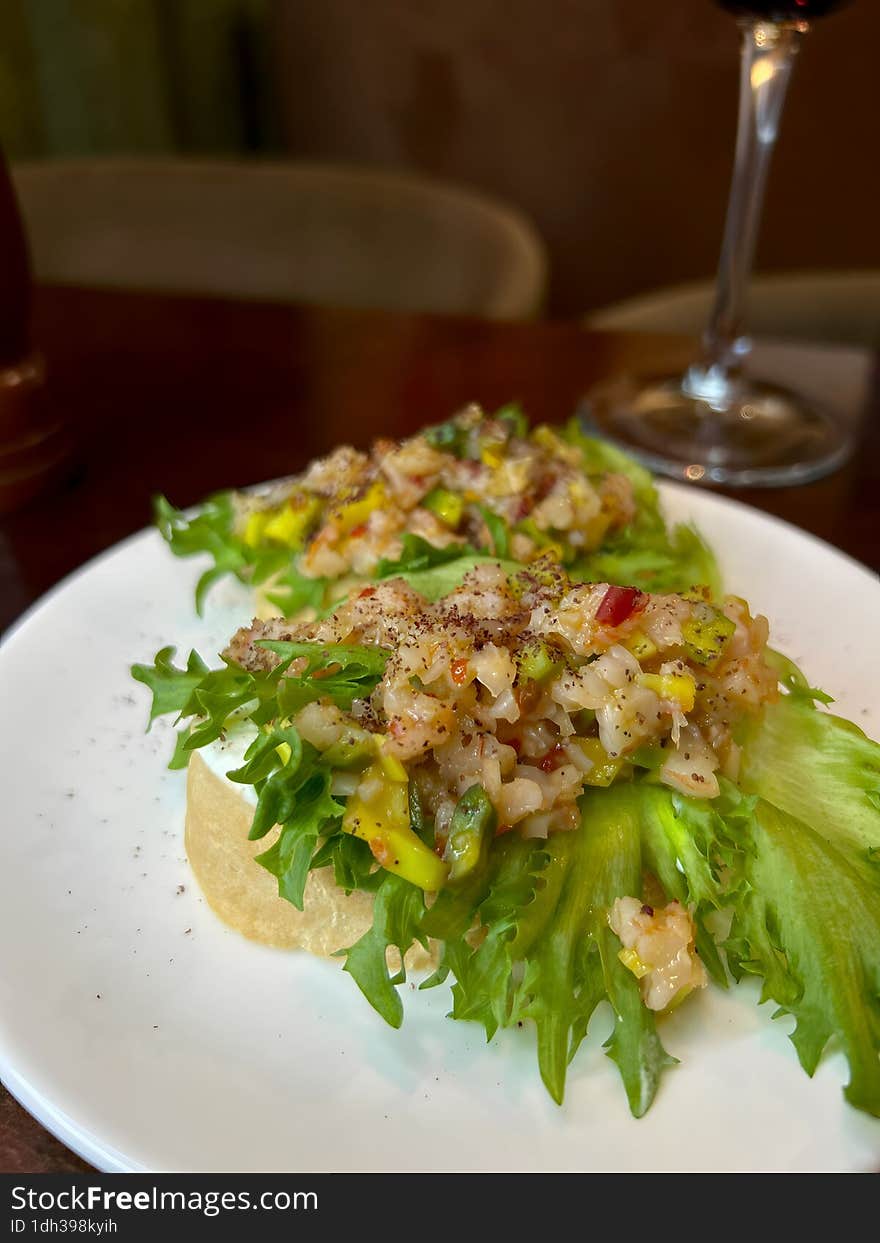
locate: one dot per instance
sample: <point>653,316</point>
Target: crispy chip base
<point>245,895</point>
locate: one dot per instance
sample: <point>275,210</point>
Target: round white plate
<point>150,1038</point>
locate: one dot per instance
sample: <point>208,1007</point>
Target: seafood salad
<point>567,792</point>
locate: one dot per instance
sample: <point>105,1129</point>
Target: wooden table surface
<point>187,395</point>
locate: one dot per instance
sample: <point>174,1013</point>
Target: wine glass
<point>715,424</point>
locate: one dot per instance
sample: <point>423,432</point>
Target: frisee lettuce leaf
<point>817,767</point>
<point>809,923</point>
<point>575,964</point>
<point>290,778</point>
<point>417,555</point>
<point>809,918</point>
<point>293,592</point>
<point>398,910</point>
<point>434,572</point>
<point>644,554</point>
<point>498,532</point>
<point>171,687</point>
<point>211,530</point>
<point>521,898</point>
<point>341,672</point>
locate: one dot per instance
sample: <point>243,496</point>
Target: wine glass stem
<point>768,53</point>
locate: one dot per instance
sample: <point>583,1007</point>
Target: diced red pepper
<point>524,508</point>
<point>379,850</point>
<point>358,531</point>
<point>618,604</point>
<point>367,591</point>
<point>554,757</point>
<point>459,672</point>
<point>502,829</point>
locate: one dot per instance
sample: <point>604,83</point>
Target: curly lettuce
<point>646,553</point>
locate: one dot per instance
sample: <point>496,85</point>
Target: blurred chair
<point>326,234</point>
<point>841,307</point>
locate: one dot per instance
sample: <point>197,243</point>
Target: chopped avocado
<point>705,634</point>
<point>446,505</point>
<point>470,834</point>
<point>604,769</point>
<point>355,748</point>
<point>514,418</point>
<point>640,646</point>
<point>378,813</point>
<point>447,437</point>
<point>536,662</point>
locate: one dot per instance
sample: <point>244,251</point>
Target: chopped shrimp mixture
<point>658,948</point>
<point>351,509</point>
<point>535,688</point>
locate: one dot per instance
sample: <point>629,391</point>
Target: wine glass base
<point>760,435</point>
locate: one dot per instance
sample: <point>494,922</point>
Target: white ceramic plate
<point>149,1037</point>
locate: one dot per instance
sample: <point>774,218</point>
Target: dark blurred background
<point>610,123</point>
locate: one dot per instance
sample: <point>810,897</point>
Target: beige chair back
<point>294,232</point>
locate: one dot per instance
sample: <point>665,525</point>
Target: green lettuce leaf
<point>657,561</point>
<point>695,854</point>
<point>809,920</point>
<point>171,687</point>
<point>341,672</point>
<point>817,767</point>
<point>352,861</point>
<point>644,554</point>
<point>574,963</point>
<point>398,910</point>
<point>311,813</point>
<point>418,555</point>
<point>210,530</point>
<point>522,896</point>
<point>810,925</point>
<point>498,532</point>
<point>793,680</point>
<point>292,592</point>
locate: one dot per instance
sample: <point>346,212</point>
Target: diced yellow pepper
<point>680,688</point>
<point>491,454</point>
<point>391,765</point>
<point>546,438</point>
<point>380,817</point>
<point>354,513</point>
<point>640,646</point>
<point>633,963</point>
<point>283,752</point>
<point>254,527</point>
<point>291,523</point>
<point>605,768</point>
